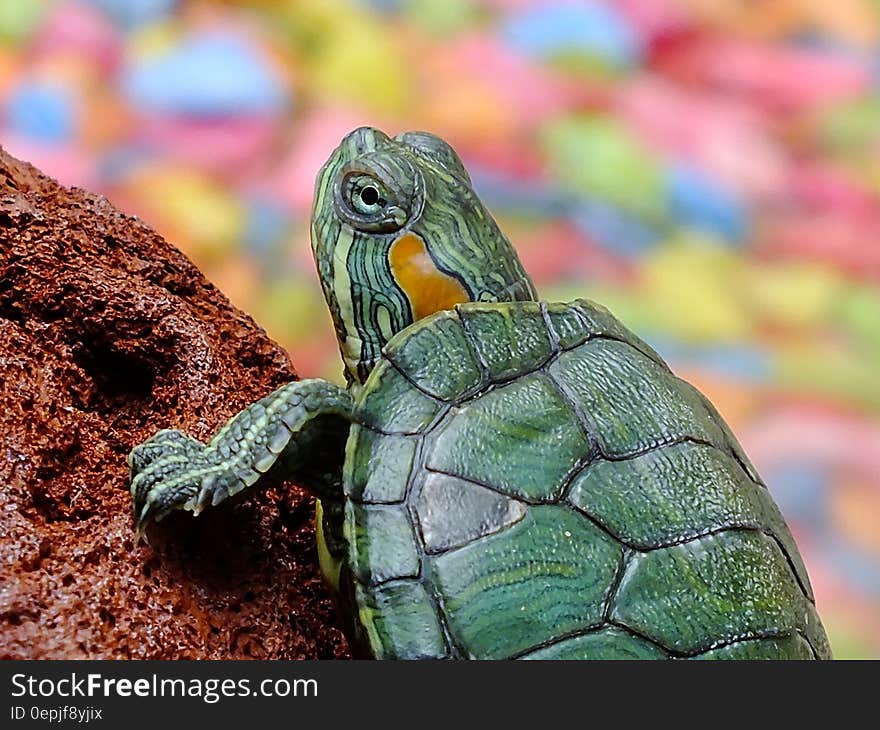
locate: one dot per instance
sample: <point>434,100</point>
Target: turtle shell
<point>530,480</point>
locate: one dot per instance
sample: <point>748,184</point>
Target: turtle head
<point>398,233</point>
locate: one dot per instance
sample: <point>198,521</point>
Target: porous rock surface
<point>108,333</point>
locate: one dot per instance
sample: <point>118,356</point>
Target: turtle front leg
<point>284,430</point>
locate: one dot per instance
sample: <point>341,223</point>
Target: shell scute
<point>547,575</point>
<point>521,439</point>
<point>716,589</point>
<point>511,338</point>
<point>427,352</point>
<point>633,403</point>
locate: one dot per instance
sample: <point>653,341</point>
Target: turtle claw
<point>207,496</point>
<point>167,472</point>
<point>142,522</point>
<point>154,498</point>
<point>172,471</point>
<point>140,528</point>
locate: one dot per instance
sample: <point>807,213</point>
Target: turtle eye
<point>366,203</point>
<point>365,195</point>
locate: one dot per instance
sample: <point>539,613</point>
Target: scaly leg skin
<point>173,471</point>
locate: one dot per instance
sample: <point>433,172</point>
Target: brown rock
<point>108,333</point>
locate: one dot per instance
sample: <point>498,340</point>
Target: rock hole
<point>107,617</point>
<point>117,376</point>
<point>9,312</point>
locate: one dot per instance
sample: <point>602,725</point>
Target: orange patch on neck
<point>429,290</point>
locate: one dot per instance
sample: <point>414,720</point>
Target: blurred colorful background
<point>708,169</point>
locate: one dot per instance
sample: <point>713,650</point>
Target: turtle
<point>502,477</point>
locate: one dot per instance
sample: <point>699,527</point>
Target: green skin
<point>502,478</point>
